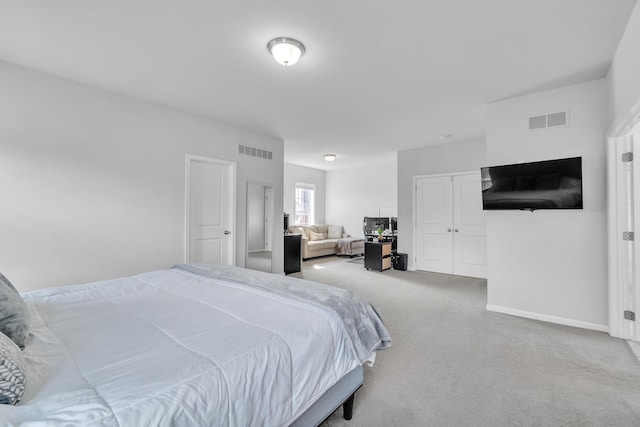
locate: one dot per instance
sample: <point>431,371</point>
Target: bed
<point>194,345</point>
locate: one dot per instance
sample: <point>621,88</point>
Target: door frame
<point>265,186</point>
<point>623,289</point>
<point>231,170</point>
<point>414,219</point>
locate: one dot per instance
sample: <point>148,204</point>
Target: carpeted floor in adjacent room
<point>455,364</point>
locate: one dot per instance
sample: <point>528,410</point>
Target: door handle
<point>448,230</point>
<point>456,230</point>
<point>227,232</point>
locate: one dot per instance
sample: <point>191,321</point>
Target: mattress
<point>174,347</point>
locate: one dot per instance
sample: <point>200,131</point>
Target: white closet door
<point>470,230</point>
<point>434,216</point>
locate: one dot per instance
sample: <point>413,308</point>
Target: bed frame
<point>342,393</point>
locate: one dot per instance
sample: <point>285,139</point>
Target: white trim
<point>548,318</point>
<point>193,157</point>
<point>616,322</point>
<point>618,290</point>
<point>305,185</point>
<point>623,124</point>
<point>438,175</point>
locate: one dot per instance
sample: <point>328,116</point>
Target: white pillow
<point>335,232</point>
<point>315,236</point>
<point>12,376</point>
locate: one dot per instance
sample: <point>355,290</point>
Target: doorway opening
<point>260,225</point>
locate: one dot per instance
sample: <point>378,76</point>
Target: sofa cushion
<point>308,229</point>
<point>317,245</point>
<point>329,243</point>
<point>335,232</point>
<point>324,229</point>
<point>313,236</point>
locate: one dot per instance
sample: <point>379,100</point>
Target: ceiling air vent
<point>255,152</point>
<point>550,120</point>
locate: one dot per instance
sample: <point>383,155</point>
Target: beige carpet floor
<point>455,364</point>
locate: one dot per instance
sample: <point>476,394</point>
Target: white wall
<point>435,159</point>
<point>355,193</point>
<point>551,265</point>
<point>623,77</point>
<point>295,173</point>
<point>93,183</point>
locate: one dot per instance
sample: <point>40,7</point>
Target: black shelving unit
<point>292,253</point>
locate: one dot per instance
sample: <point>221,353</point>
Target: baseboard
<point>411,268</point>
<point>548,318</point>
<point>635,347</point>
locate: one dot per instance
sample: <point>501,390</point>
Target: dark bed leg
<point>347,407</point>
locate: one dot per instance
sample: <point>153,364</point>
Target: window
<point>305,201</point>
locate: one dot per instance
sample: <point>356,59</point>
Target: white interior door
<point>434,217</point>
<point>470,230</point>
<point>210,211</point>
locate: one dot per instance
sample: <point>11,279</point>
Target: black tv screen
<point>549,184</point>
<point>372,224</point>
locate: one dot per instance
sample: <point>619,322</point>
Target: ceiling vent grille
<point>255,152</point>
<point>550,120</point>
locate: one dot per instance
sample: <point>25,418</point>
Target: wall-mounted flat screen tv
<point>550,184</point>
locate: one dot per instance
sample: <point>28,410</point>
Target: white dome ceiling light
<point>285,50</point>
<point>329,157</point>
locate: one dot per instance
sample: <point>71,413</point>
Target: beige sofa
<point>318,240</point>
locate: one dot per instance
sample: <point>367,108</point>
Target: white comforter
<point>171,348</point>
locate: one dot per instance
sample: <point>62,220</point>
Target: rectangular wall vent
<point>550,120</point>
<point>255,152</point>
<point>538,122</point>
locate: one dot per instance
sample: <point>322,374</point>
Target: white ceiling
<point>377,77</point>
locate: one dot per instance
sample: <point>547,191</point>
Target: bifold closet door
<point>450,225</point>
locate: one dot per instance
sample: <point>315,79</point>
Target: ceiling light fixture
<point>329,157</point>
<point>285,50</point>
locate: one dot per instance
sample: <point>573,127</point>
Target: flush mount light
<point>329,157</point>
<point>285,50</point>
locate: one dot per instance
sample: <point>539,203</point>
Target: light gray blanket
<point>344,245</point>
<point>362,323</point>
